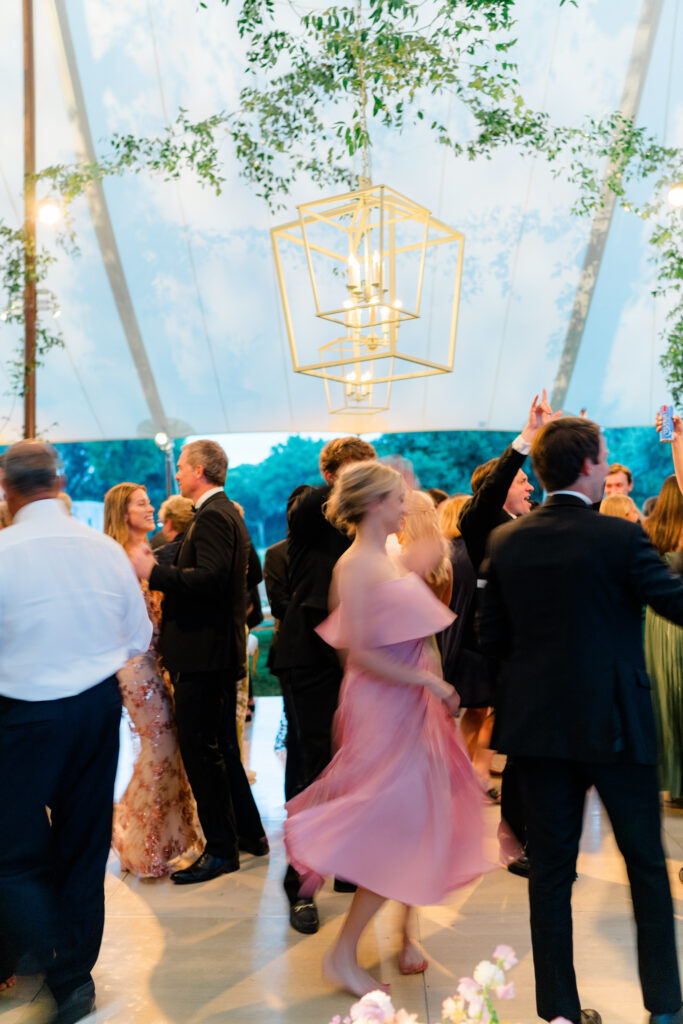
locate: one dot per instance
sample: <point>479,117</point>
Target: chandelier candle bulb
<point>354,272</point>
<point>376,275</point>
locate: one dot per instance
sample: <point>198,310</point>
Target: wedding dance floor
<point>224,952</point>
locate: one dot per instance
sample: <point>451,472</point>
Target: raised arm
<point>676,446</point>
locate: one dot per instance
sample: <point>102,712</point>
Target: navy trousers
<point>59,755</point>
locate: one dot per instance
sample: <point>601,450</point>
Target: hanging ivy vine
<point>13,248</point>
<point>316,79</point>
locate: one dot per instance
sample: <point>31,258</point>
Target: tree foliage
<point>93,467</point>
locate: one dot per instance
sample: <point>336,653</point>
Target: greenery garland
<point>311,90</point>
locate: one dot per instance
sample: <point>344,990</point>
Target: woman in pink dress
<point>156,819</point>
<point>398,810</point>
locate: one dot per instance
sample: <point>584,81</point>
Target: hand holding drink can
<point>667,431</point>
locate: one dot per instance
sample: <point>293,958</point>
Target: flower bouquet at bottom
<point>472,1003</point>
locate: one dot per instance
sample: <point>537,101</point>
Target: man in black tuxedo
<point>309,670</point>
<point>500,493</point>
<point>562,610</point>
<point>203,643</point>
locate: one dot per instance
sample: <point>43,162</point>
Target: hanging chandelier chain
<point>364,180</point>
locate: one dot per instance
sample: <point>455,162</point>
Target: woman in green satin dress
<point>664,644</point>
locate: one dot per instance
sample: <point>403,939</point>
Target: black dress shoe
<point>521,867</point>
<point>667,1018</point>
<point>259,847</point>
<point>590,1017</point>
<point>303,917</point>
<point>205,867</point>
<point>341,886</point>
<point>77,1005</point>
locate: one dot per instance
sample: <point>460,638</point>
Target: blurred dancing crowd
<point>436,653</point>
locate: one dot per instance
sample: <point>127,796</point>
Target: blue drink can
<point>667,431</point>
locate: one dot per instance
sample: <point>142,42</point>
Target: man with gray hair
<point>203,643</point>
<point>71,614</point>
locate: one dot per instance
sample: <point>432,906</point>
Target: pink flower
<point>468,989</point>
<point>336,1019</point>
<point>507,955</point>
<point>403,1017</point>
<point>560,1020</point>
<point>506,991</point>
<point>374,1008</point>
<point>450,1007</point>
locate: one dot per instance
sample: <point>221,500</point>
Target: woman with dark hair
<point>664,644</point>
<point>155,820</point>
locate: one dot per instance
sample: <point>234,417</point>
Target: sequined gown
<point>156,819</point>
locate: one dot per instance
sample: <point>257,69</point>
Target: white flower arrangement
<point>472,1003</point>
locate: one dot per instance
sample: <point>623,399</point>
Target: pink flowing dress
<point>399,809</point>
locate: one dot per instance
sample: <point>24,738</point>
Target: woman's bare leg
<point>483,754</point>
<point>471,721</point>
<point>410,959</point>
<point>340,964</point>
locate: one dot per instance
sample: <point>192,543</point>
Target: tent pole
<point>29,226</point>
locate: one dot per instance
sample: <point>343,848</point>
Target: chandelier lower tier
<point>370,256</point>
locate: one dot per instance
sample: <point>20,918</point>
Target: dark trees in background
<point>439,458</point>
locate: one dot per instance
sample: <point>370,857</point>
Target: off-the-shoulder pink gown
<point>399,809</point>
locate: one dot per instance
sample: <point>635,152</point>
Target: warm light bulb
<point>161,439</point>
<point>397,304</point>
<point>675,196</point>
<point>49,212</point>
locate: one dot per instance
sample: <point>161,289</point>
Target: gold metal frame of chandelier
<point>373,312</point>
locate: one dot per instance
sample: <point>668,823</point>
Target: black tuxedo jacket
<point>484,512</point>
<point>204,609</point>
<point>313,547</point>
<point>562,609</point>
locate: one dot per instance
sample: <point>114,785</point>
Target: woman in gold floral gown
<point>156,819</point>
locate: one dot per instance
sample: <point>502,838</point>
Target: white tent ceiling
<point>187,324</point>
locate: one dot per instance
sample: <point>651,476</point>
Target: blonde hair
<point>421,527</point>
<point>179,510</point>
<point>5,517</point>
<point>116,502</point>
<point>621,506</point>
<point>357,485</point>
<point>449,515</point>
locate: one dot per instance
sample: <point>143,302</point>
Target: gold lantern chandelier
<point>367,254</point>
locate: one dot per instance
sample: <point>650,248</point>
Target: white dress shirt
<point>574,494</point>
<point>206,495</point>
<point>71,608</point>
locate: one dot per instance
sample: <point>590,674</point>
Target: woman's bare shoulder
<point>359,568</point>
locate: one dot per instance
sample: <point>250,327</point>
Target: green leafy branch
<point>13,249</point>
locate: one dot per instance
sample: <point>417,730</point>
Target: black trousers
<point>310,699</point>
<point>511,804</point>
<point>205,705</point>
<point>553,792</point>
<point>59,754</point>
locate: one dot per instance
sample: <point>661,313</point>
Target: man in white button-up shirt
<point>71,614</point>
